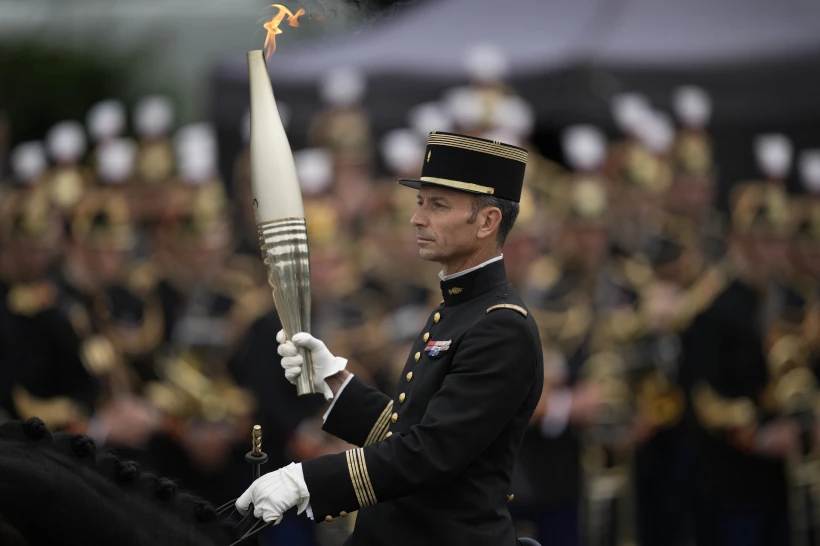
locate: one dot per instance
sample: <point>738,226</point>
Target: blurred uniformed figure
<point>118,325</point>
<point>691,195</point>
<point>42,372</point>
<point>644,178</point>
<point>475,107</point>
<point>564,292</point>
<point>792,353</point>
<point>152,119</point>
<point>68,179</point>
<point>742,443</point>
<point>683,285</point>
<point>343,127</point>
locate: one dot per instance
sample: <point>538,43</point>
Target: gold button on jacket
<point>394,417</point>
<point>402,396</point>
<point>437,317</point>
<point>409,376</point>
<point>426,337</point>
<point>417,356</point>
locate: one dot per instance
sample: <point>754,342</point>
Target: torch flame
<point>273,29</point>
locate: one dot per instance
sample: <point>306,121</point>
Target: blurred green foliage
<point>41,84</point>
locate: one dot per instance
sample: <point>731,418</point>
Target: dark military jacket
<point>435,460</point>
<point>723,348</point>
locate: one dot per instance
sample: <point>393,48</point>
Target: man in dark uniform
<point>435,461</point>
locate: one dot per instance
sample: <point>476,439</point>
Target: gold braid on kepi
<point>474,165</point>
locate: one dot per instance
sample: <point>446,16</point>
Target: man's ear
<point>489,221</point>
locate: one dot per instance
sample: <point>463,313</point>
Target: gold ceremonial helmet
<point>759,208</point>
<point>103,217</point>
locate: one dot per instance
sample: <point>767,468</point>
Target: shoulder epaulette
<point>517,308</point>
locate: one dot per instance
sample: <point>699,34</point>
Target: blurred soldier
<point>153,118</point>
<point>114,162</point>
<point>118,328</point>
<point>28,165</point>
<point>690,198</point>
<point>42,372</point>
<point>803,274</point>
<point>67,179</point>
<point>642,170</point>
<point>683,286</point>
<point>792,347</point>
<point>742,445</point>
<point>344,126</point>
<point>564,292</point>
<point>475,107</point>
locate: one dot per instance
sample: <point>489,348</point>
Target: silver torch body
<point>280,213</point>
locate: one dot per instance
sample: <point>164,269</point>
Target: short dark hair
<point>509,213</point>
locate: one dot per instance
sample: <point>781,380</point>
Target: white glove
<point>324,363</point>
<point>275,493</point>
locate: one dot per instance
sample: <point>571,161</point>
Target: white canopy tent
<point>541,35</point>
<point>758,57</point>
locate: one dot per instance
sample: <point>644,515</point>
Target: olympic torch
<point>280,214</point>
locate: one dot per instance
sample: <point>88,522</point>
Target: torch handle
<point>286,256</point>
<point>304,383</point>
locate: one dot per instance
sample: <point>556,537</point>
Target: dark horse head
<point>60,489</point>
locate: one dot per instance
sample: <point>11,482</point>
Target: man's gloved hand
<point>275,493</point>
<point>324,363</point>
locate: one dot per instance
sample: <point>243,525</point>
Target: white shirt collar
<point>444,277</point>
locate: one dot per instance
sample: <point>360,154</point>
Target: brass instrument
<point>185,392</point>
<point>794,394</point>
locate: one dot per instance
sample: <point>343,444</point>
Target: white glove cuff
<point>336,365</point>
<point>293,473</point>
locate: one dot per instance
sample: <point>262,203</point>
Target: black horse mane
<point>60,489</point>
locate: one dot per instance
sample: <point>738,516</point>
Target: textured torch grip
<point>285,253</point>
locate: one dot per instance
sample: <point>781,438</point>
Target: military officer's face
<point>443,229</point>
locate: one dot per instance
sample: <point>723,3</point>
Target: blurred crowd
<point>680,341</point>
